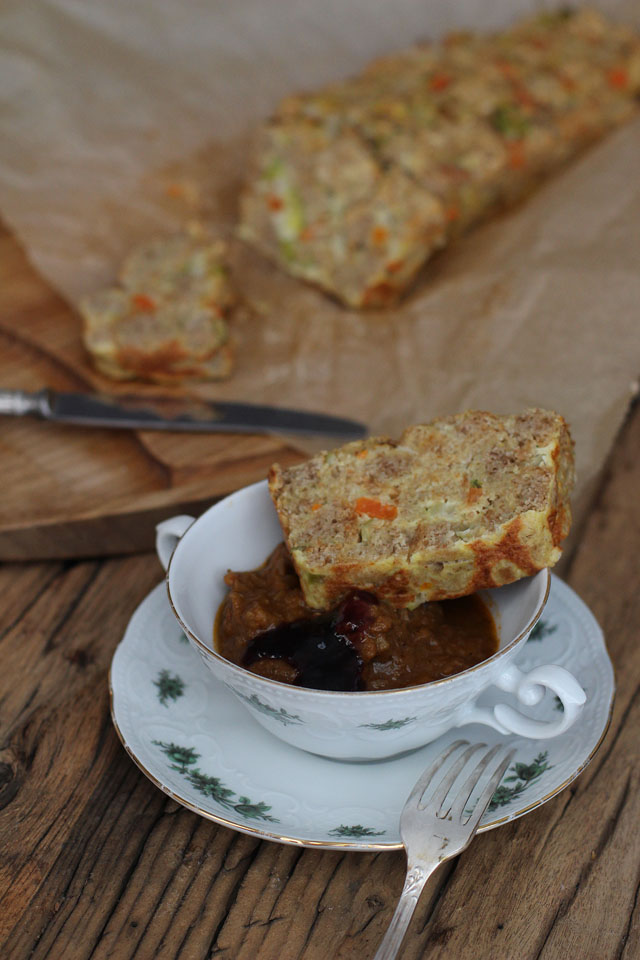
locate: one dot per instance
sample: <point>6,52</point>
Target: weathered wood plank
<point>55,712</point>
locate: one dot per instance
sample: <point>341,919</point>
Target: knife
<point>166,413</point>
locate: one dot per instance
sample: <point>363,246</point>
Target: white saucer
<point>193,739</point>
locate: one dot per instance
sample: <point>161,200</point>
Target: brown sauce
<point>265,626</point>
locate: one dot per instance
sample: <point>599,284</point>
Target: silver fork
<point>435,824</point>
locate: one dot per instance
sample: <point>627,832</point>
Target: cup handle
<point>529,689</point>
<point>167,535</point>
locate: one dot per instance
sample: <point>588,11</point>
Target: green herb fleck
<point>273,169</point>
<point>510,121</point>
<point>288,250</point>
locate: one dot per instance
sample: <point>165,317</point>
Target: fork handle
<point>417,876</point>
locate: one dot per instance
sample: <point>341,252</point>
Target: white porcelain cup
<point>238,533</point>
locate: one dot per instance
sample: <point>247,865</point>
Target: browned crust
<point>509,548</point>
<point>160,366</point>
<point>559,522</point>
<point>397,590</point>
<point>161,360</point>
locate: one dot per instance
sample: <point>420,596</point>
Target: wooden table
<point>97,862</point>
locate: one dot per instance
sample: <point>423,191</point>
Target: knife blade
<point>168,413</point>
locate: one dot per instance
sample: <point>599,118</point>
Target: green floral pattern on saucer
<point>181,757</point>
<point>356,831</point>
<point>521,775</point>
<point>170,687</point>
<point>541,630</point>
<point>183,760</point>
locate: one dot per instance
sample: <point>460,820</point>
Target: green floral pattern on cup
<point>170,687</point>
<point>281,715</point>
<point>389,724</point>
<point>183,759</point>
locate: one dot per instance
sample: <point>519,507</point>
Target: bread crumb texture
<point>167,320</point>
<point>464,502</point>
<point>353,187</point>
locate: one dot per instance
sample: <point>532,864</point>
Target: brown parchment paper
<point>122,120</point>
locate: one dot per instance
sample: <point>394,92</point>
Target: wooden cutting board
<point>71,492</point>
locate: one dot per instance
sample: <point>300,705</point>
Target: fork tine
<point>421,785</point>
<point>443,788</point>
<point>464,793</point>
<point>485,797</point>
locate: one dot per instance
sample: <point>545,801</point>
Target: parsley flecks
<point>510,121</point>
